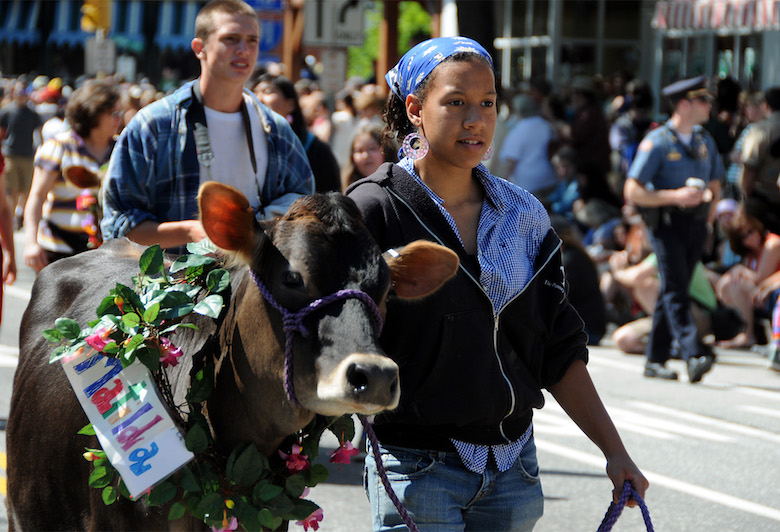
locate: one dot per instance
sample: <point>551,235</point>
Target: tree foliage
<point>414,25</point>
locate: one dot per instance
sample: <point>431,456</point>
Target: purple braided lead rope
<point>371,435</point>
<point>293,322</point>
<point>615,510</point>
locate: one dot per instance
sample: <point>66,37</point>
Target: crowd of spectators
<point>584,140</point>
<point>572,149</point>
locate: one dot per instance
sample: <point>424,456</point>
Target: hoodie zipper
<point>496,315</point>
<point>496,320</point>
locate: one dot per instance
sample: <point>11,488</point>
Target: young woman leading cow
<point>473,357</point>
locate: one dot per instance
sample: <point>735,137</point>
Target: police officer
<point>674,180</point>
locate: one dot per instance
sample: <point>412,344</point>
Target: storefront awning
<point>67,24</point>
<point>19,21</point>
<point>127,25</point>
<point>176,24</point>
<point>728,15</point>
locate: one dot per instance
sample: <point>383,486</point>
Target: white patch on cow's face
<point>361,383</point>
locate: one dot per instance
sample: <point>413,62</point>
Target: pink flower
<point>295,460</point>
<point>75,354</point>
<point>228,526</point>
<point>344,454</point>
<point>170,353</point>
<point>85,200</point>
<point>312,521</point>
<point>99,339</point>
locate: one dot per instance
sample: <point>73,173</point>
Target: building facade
<point>45,36</point>
<point>559,40</point>
<point>659,41</point>
<point>737,38</point>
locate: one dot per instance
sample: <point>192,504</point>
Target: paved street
<point>711,451</point>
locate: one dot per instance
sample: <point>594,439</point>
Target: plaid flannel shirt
<point>154,172</point>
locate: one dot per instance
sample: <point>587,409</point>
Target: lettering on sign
<point>335,23</point>
<point>130,419</point>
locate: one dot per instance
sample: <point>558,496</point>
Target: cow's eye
<point>292,279</point>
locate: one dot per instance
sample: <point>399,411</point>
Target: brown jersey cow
<point>319,247</point>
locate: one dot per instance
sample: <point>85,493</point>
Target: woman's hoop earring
<point>415,146</point>
<point>488,153</point>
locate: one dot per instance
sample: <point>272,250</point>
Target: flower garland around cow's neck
<point>245,489</point>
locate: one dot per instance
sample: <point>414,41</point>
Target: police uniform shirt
<point>664,162</point>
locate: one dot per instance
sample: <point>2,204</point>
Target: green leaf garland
<point>259,492</point>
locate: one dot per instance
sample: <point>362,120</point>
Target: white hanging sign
<point>132,423</point>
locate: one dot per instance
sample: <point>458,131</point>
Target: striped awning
<point>728,15</point>
<point>19,21</point>
<point>67,24</point>
<point>176,23</point>
<point>127,25</point>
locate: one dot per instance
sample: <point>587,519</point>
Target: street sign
<point>270,34</point>
<point>266,5</point>
<point>99,55</point>
<point>334,70</point>
<point>271,15</point>
<point>126,66</point>
<point>337,23</point>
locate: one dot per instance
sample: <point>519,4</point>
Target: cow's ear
<point>420,268</point>
<point>227,218</point>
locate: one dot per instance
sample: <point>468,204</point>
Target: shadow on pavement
<point>343,474</point>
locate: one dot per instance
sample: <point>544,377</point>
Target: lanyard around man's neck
<point>202,144</point>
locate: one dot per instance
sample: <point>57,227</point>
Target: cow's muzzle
<point>361,383</point>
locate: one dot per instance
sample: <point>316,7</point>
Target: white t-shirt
<point>344,126</point>
<point>232,164</point>
<point>526,143</point>
<point>53,127</point>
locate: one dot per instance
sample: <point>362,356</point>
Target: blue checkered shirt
<point>154,172</point>
<point>512,226</point>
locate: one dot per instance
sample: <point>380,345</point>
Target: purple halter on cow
<point>319,250</point>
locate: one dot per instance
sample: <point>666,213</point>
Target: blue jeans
<point>440,494</point>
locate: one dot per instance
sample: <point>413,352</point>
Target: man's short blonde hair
<point>205,23</point>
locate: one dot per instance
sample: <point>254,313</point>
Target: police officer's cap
<point>687,89</point>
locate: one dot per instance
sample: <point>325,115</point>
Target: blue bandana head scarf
<point>420,61</point>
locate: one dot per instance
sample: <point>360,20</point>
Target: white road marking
<point>15,291</point>
<point>763,394</point>
<point>622,415</point>
<point>553,420</point>
<point>633,367</point>
<point>595,361</point>
<point>559,424</point>
<point>662,480</point>
<point>721,424</point>
<point>760,410</point>
<point>9,350</point>
<point>9,356</point>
